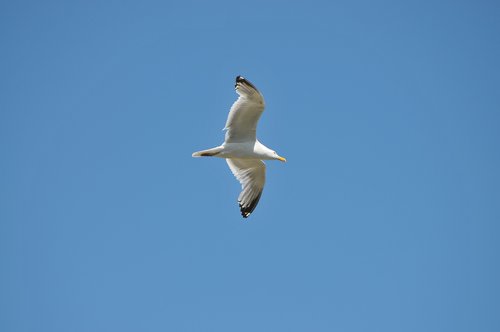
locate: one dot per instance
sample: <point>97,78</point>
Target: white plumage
<point>241,124</point>
<point>241,149</point>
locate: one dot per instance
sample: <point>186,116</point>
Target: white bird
<point>241,149</point>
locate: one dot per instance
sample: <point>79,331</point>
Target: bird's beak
<point>282,159</point>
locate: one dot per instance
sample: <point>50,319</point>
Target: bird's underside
<point>241,149</point>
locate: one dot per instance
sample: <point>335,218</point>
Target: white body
<point>241,149</point>
<point>247,150</point>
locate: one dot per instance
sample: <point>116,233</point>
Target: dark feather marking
<point>209,154</point>
<point>241,79</point>
<point>247,210</point>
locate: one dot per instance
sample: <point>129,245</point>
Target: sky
<point>385,218</point>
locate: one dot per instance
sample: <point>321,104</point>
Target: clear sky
<point>385,218</point>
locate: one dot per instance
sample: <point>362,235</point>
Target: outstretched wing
<point>242,120</point>
<point>252,175</point>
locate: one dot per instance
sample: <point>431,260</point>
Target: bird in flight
<point>242,150</point>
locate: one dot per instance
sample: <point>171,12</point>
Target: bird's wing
<point>252,175</point>
<point>242,120</point>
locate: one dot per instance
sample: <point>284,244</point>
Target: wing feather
<point>241,124</point>
<point>251,173</point>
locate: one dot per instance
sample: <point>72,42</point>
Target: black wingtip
<point>241,79</point>
<point>247,210</point>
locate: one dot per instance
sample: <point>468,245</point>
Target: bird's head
<point>278,157</point>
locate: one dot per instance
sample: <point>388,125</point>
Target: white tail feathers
<point>208,153</point>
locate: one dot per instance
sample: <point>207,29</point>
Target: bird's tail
<point>209,153</point>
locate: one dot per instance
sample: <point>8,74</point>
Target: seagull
<point>242,150</point>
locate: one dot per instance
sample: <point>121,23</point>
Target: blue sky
<point>385,218</point>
